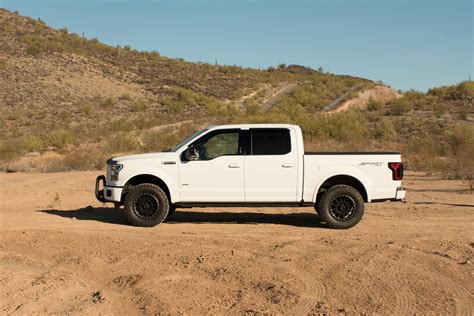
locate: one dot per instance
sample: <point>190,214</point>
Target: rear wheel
<point>341,207</point>
<point>146,205</point>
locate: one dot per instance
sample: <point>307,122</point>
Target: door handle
<point>234,165</point>
<point>287,165</point>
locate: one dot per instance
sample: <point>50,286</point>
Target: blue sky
<point>405,43</point>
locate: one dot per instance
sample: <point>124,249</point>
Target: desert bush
<point>64,115</point>
<point>138,106</point>
<point>154,141</point>
<point>3,63</point>
<point>21,145</point>
<point>164,138</point>
<point>122,143</point>
<point>82,159</point>
<point>121,125</point>
<point>463,146</point>
<point>125,97</point>
<point>341,126</point>
<point>87,109</point>
<point>439,110</point>
<point>400,106</point>
<point>238,94</point>
<point>183,98</point>
<point>374,105</point>
<point>174,106</point>
<point>107,103</point>
<point>57,138</point>
<point>252,107</point>
<point>383,130</point>
<point>33,50</point>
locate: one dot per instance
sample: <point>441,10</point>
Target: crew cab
<point>250,165</point>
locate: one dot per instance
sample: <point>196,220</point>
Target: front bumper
<point>400,194</point>
<point>107,193</point>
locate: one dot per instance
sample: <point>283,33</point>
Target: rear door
<point>271,169</point>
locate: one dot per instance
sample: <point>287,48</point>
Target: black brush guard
<point>99,193</point>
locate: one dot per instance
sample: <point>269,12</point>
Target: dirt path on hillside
<point>63,252</point>
<point>285,90</point>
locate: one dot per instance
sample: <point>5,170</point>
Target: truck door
<point>271,169</point>
<point>217,173</point>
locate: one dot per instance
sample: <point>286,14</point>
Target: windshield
<point>181,144</point>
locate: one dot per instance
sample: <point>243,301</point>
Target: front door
<point>217,173</point>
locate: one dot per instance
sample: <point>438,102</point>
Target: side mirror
<point>189,154</point>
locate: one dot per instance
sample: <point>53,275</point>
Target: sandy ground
<point>62,252</point>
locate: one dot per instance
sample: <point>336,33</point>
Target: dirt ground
<point>63,252</point>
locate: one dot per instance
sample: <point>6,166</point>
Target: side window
<point>225,143</point>
<point>271,141</point>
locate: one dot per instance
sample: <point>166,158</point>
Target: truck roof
<point>261,125</point>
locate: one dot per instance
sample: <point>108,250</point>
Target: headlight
<point>114,171</point>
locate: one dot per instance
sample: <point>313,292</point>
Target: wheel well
<point>146,178</point>
<point>342,179</point>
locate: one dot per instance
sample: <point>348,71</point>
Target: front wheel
<point>341,207</point>
<point>146,205</point>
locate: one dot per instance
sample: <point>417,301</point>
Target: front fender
<point>153,170</point>
<point>344,170</point>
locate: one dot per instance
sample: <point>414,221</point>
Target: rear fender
<point>345,170</point>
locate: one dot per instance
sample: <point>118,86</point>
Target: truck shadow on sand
<point>114,216</point>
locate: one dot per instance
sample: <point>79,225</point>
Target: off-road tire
<point>146,205</point>
<point>341,207</point>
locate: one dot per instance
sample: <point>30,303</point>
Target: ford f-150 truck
<point>250,165</point>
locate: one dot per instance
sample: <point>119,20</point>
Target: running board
<point>243,204</point>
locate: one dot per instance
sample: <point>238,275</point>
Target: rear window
<point>271,141</point>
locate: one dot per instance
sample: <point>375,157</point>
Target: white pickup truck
<point>250,165</point>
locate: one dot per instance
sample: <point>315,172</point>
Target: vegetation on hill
<point>84,100</point>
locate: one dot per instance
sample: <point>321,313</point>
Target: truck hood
<point>161,155</point>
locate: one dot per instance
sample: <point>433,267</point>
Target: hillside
<point>67,102</point>
<point>47,72</point>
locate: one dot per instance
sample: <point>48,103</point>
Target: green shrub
<point>173,106</point>
<point>82,159</point>
<point>107,103</point>
<point>122,143</point>
<point>155,141</point>
<point>121,125</point>
<point>383,130</point>
<point>138,106</point>
<point>252,107</point>
<point>466,88</point>
<point>439,110</point>
<point>125,97</point>
<point>87,109</point>
<point>463,145</point>
<point>374,105</point>
<point>18,146</point>
<point>57,138</point>
<point>400,106</point>
<point>341,126</point>
<point>33,49</point>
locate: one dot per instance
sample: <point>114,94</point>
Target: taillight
<point>397,170</point>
